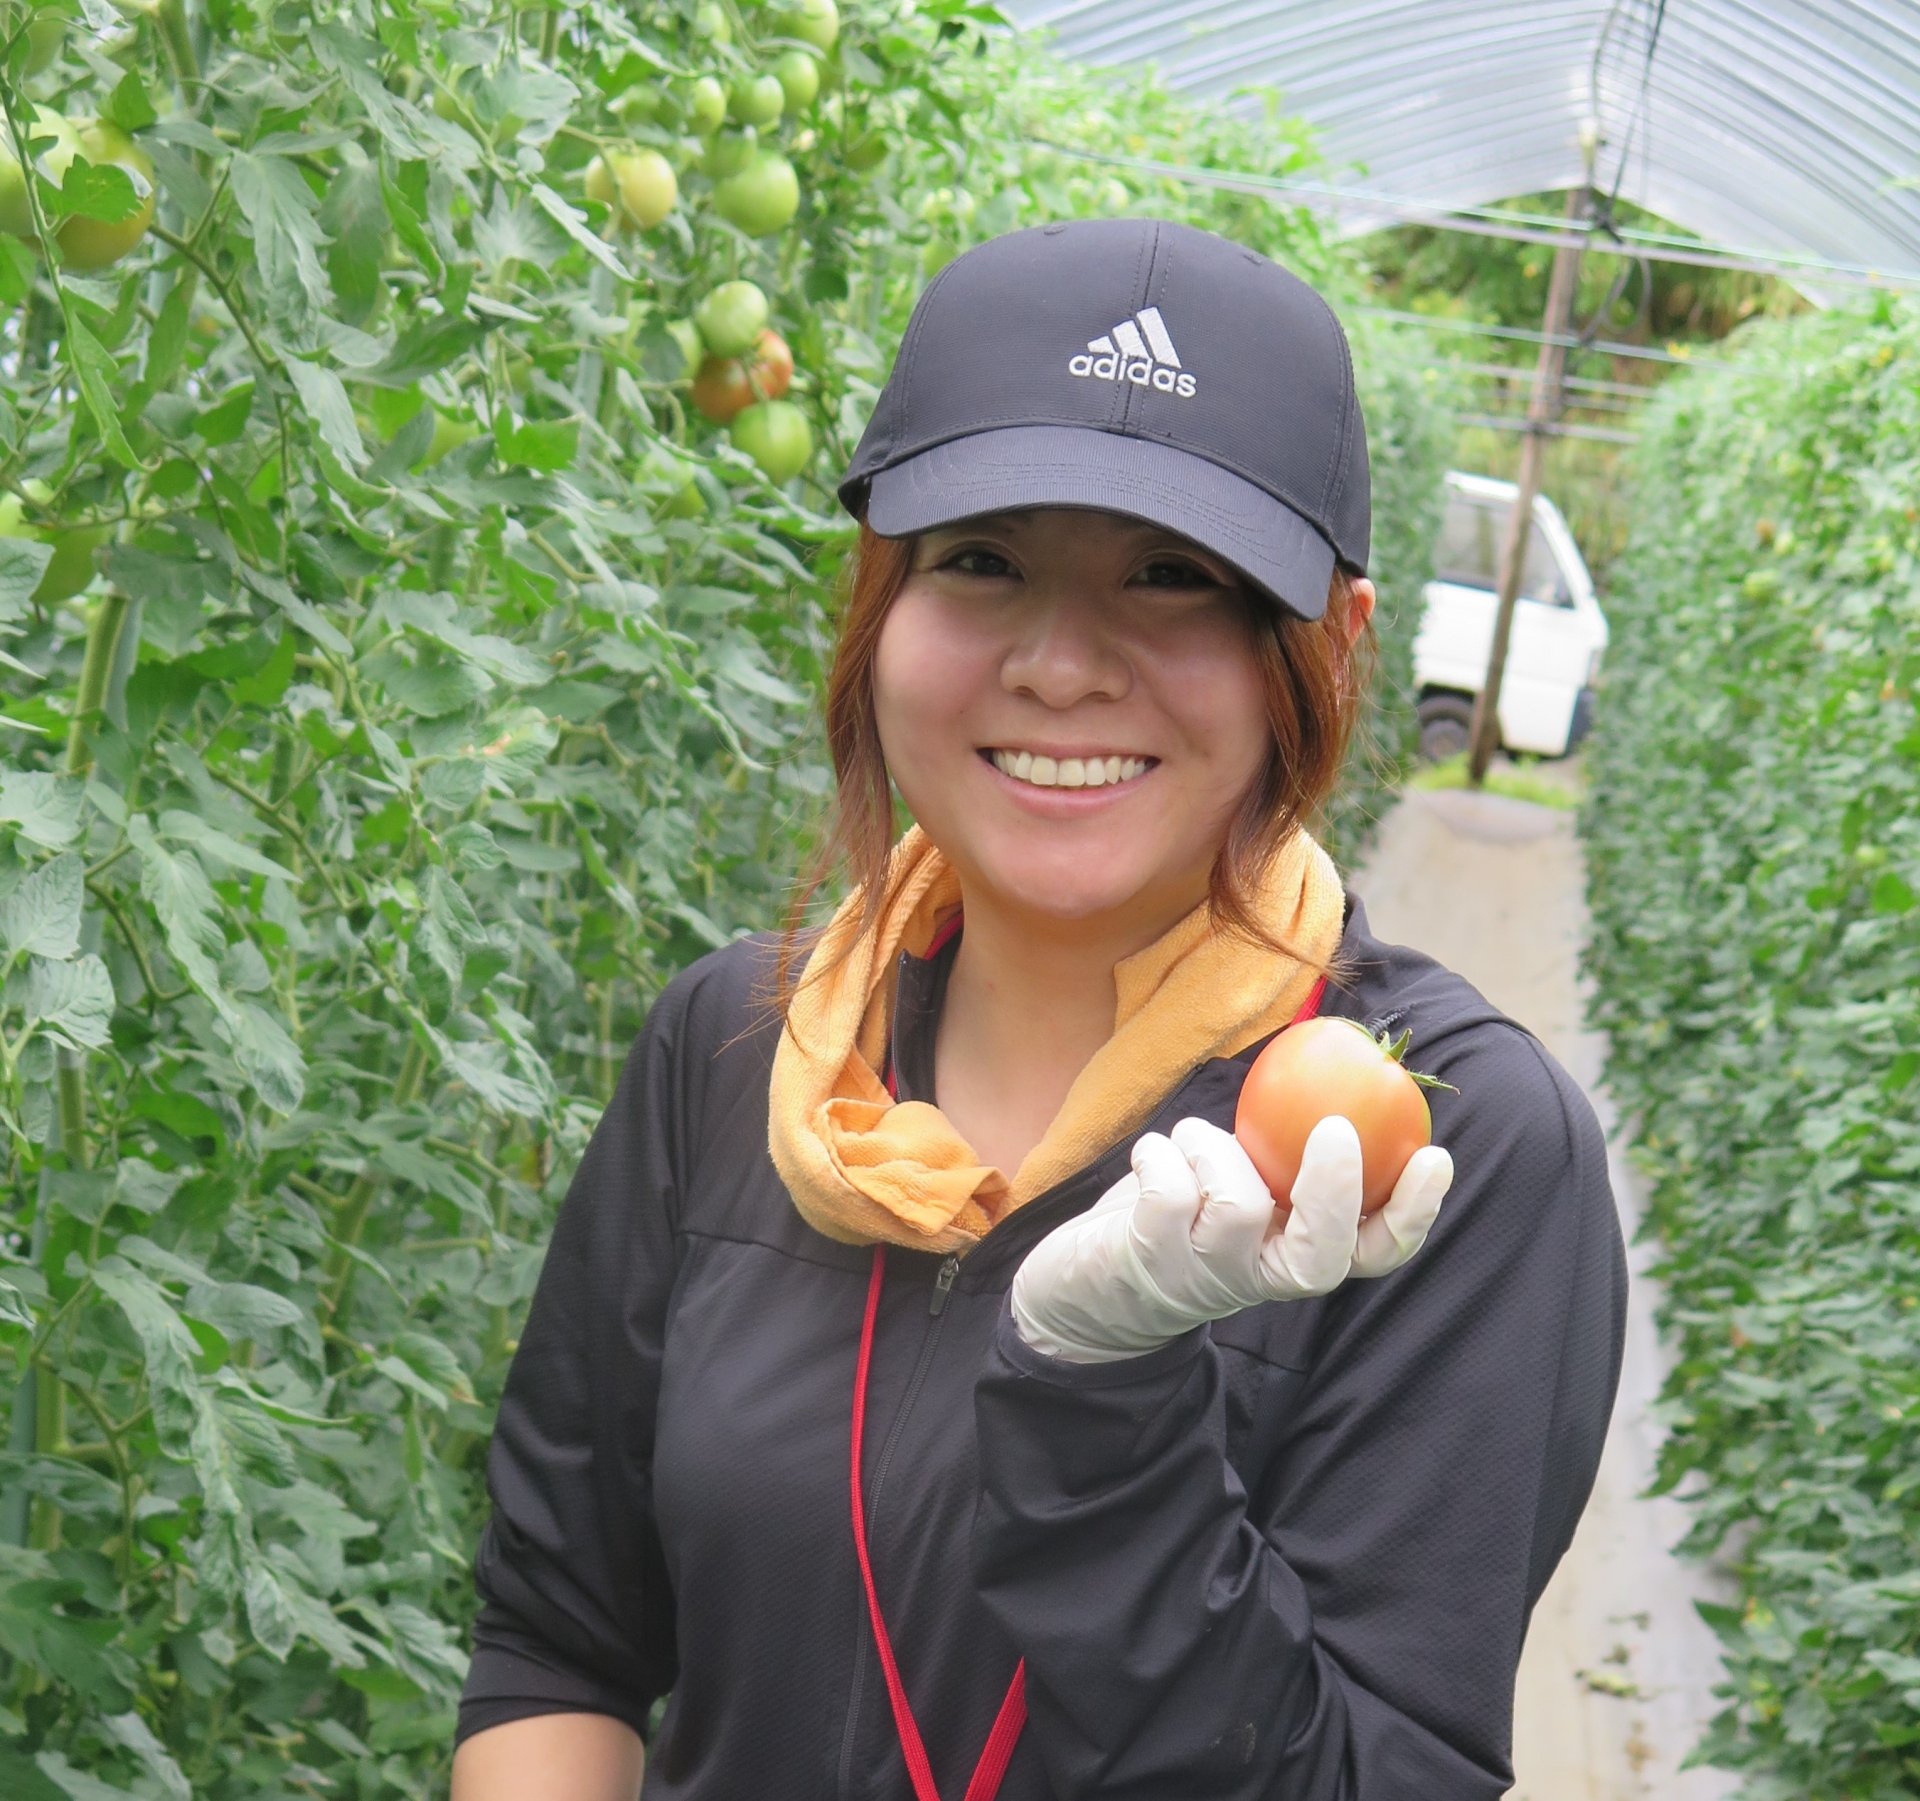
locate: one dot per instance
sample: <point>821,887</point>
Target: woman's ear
<point>1363,598</point>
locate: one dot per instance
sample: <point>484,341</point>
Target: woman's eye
<point>960,557</point>
<point>1186,575</point>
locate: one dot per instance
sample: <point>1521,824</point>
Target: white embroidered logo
<point>1137,350</point>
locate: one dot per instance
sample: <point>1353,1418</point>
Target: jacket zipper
<point>943,1283</point>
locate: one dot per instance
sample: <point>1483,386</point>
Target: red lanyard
<point>987,1773</point>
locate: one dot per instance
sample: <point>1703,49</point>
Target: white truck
<point>1559,633</point>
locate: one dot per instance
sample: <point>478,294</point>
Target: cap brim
<point>1081,466</point>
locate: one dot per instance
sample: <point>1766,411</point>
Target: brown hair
<point>1316,690</point>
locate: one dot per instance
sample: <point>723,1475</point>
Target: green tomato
<point>710,22</point>
<point>732,317</point>
<point>867,151</point>
<point>448,434</point>
<point>52,160</point>
<point>706,106</point>
<point>761,198</point>
<point>88,244</point>
<point>757,99</point>
<point>776,435</point>
<point>815,22</point>
<point>798,72</point>
<point>727,153</point>
<point>71,567</point>
<point>638,184</point>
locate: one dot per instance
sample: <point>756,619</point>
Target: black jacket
<point>1291,1555</point>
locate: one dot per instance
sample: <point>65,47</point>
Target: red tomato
<point>726,386</point>
<point>1325,1066</point>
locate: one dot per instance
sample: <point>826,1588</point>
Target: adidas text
<point>1140,371</point>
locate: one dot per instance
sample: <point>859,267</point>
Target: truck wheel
<point>1446,727</point>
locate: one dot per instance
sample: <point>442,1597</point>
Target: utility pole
<point>1542,409</point>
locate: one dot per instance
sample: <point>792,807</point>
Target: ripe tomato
<point>1332,1065</point>
<point>761,198</point>
<point>726,386</point>
<point>776,435</point>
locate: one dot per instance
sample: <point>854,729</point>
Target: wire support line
<point>1606,434</point>
<point>1596,238</point>
<point>1586,384</point>
<point>1600,346</point>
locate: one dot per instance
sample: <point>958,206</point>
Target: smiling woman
<point>1170,1493</point>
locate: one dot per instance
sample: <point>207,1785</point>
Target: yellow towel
<point>862,1167</point>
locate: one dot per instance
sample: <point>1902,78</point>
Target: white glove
<point>1191,1236</point>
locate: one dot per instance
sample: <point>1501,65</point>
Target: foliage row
<point>426,681</point>
<point>1754,845</point>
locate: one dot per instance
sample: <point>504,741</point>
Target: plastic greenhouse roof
<point>1774,126</point>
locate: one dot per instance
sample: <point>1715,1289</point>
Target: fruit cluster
<point>738,368</point>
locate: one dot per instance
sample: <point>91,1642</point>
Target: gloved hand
<point>1190,1235</point>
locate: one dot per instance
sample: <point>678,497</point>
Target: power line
<point>1520,333</point>
<point>1499,422</point>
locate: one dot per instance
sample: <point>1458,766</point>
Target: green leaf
<point>77,1784</point>
<point>70,1001</point>
<point>1891,894</point>
<point>103,191</point>
<point>191,828</point>
<point>23,561</point>
<point>325,399</point>
<point>546,444</point>
<point>45,807</point>
<point>302,613</point>
<point>42,913</point>
<point>278,209</point>
<point>94,369</point>
<point>169,1347</point>
<point>128,106</point>
<point>132,1733</point>
<point>177,889</point>
<point>574,224</point>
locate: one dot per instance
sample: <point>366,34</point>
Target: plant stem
<point>359,1198</point>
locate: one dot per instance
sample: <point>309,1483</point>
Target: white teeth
<point>1070,772</point>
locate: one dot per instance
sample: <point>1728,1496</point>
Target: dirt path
<point>1617,1676</point>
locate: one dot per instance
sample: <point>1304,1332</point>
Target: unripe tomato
<point>815,22</point>
<point>16,211</point>
<point>776,435</point>
<point>731,317</point>
<point>727,153</point>
<point>867,151</point>
<point>706,106</point>
<point>638,184</point>
<point>710,21</point>
<point>71,567</point>
<point>756,99</point>
<point>1331,1065</point>
<point>761,198</point>
<point>87,244</point>
<point>798,72</point>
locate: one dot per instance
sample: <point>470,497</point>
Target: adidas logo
<point>1137,350</point>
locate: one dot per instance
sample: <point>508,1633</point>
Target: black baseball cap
<point>1137,366</point>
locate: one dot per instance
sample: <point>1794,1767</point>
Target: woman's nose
<point>1065,649</point>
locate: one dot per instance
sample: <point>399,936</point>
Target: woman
<point>919,1391</point>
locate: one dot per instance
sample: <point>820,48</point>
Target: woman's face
<point>1072,634</point>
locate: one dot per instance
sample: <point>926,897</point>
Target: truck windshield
<point>1468,554</point>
